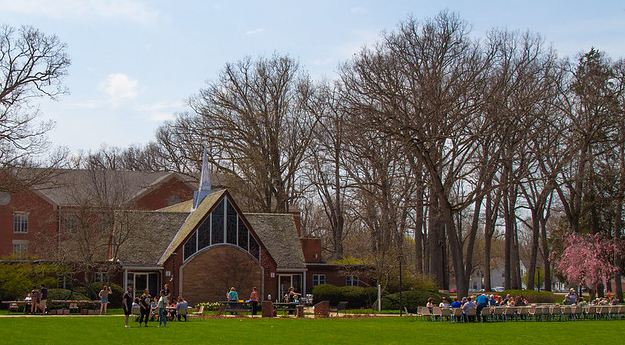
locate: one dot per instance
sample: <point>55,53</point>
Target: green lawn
<point>389,330</point>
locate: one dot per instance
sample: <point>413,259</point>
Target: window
<point>319,279</point>
<point>71,224</point>
<point>224,225</point>
<point>20,249</point>
<point>64,282</point>
<point>352,280</point>
<point>100,277</point>
<point>217,226</point>
<point>190,247</point>
<point>231,224</point>
<point>20,223</point>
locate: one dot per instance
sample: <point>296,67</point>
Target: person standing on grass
<point>36,296</point>
<point>162,309</point>
<point>145,304</point>
<point>104,298</point>
<point>254,300</point>
<point>481,302</point>
<point>127,303</point>
<point>44,299</point>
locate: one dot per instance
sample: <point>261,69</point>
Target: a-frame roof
<point>276,232</point>
<point>192,222</point>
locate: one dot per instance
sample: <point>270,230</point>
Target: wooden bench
<point>285,307</point>
<point>341,306</point>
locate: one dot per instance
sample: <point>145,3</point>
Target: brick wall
<point>208,276</point>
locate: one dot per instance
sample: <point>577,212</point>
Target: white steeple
<point>205,182</point>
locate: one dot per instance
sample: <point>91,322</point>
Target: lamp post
<point>401,307</point>
<point>538,280</point>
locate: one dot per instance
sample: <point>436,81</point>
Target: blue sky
<point>134,62</point>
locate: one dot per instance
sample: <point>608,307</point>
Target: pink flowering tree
<point>587,259</point>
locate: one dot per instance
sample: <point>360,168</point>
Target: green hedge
<point>533,296</point>
<point>66,295</point>
<point>356,296</point>
<point>411,299</point>
<point>115,299</point>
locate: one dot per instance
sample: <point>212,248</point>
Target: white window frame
<point>100,277</point>
<point>20,222</point>
<point>319,279</point>
<point>20,248</point>
<point>351,280</point>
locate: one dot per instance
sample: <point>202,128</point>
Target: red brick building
<point>155,231</point>
<point>36,221</point>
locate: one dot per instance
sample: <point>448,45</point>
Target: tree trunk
<point>618,224</point>
<point>546,261</point>
<point>435,240</point>
<point>534,250</point>
<point>418,232</point>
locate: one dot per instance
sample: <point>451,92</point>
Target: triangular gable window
<point>223,225</point>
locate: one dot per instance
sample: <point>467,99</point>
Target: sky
<point>135,63</point>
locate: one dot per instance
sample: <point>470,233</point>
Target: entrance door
<point>141,281</point>
<point>285,281</point>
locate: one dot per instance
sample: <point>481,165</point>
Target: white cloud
<point>359,39</point>
<point>132,10</point>
<point>162,111</point>
<point>255,31</point>
<point>120,87</point>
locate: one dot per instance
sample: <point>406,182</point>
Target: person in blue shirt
<point>482,302</point>
<point>232,295</point>
<point>456,303</point>
<point>492,301</point>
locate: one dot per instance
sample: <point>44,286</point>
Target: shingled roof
<point>191,223</point>
<point>151,233</point>
<point>277,232</point>
<point>279,235</point>
<point>102,187</point>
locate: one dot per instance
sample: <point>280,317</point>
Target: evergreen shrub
<point>412,299</point>
<point>356,296</point>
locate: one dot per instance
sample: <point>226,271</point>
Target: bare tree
<point>588,102</point>
<point>326,168</point>
<point>32,65</point>
<point>87,239</point>
<point>423,87</point>
<point>256,126</point>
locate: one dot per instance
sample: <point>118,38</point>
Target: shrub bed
<point>356,296</point>
<point>412,299</point>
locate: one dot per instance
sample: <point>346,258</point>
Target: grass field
<point>388,330</point>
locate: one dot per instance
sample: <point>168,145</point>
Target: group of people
<point>233,296</point>
<point>153,308</point>
<point>572,298</point>
<point>478,303</point>
<point>37,300</point>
